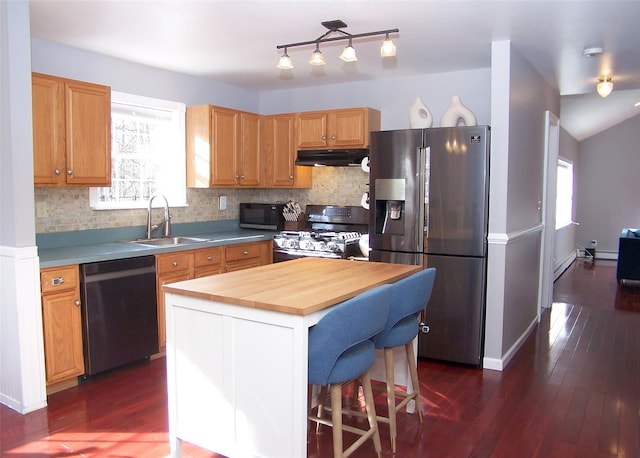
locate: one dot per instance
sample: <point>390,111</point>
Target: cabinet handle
<point>291,177</point>
<point>57,171</point>
<point>175,263</point>
<point>245,253</point>
<point>333,137</point>
<point>69,172</point>
<point>77,302</point>
<point>324,137</point>
<point>209,258</point>
<point>242,177</point>
<point>57,281</point>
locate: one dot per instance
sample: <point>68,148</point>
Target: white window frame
<point>174,184</point>
<point>564,193</point>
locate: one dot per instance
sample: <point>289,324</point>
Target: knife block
<point>298,225</point>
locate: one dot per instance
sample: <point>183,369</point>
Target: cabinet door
<point>225,140</point>
<point>88,134</point>
<point>250,150</point>
<point>347,128</point>
<point>48,131</point>
<point>62,330</point>
<point>280,152</point>
<point>311,129</point>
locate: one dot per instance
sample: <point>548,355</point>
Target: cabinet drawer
<point>173,262</point>
<point>59,278</point>
<point>238,252</point>
<point>208,257</point>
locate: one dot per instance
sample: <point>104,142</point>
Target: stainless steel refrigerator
<point>429,191</point>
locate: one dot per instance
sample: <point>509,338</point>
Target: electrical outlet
<point>594,243</point>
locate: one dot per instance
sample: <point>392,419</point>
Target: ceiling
<point>234,41</point>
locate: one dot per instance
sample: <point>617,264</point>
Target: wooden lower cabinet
<point>62,323</point>
<point>185,265</point>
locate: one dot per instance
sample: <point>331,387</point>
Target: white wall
<point>22,384</point>
<point>520,97</point>
<point>607,186</point>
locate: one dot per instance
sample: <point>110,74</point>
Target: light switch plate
<point>222,202</point>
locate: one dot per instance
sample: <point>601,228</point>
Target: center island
<point>237,351</point>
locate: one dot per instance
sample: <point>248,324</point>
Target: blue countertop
<point>81,247</point>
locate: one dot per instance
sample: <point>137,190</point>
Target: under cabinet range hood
<point>332,157</point>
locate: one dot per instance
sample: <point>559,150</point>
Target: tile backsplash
<point>67,209</point>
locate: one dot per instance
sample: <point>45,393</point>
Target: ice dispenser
<point>390,206</point>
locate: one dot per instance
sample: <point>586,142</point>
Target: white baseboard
<point>496,364</point>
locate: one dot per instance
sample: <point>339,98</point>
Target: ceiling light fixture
<point>348,54</point>
<point>388,49</point>
<point>605,86</point>
<point>285,61</point>
<point>316,57</point>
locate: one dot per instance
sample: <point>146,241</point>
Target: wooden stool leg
<point>322,398</point>
<point>413,370</point>
<point>371,412</point>
<point>336,418</point>
<point>391,396</point>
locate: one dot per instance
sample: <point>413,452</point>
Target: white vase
<point>455,112</point>
<point>419,115</point>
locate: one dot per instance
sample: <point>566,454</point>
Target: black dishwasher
<point>119,315</point>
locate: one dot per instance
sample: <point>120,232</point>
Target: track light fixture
<point>604,86</point>
<point>348,54</point>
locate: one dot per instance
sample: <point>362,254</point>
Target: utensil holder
<point>298,225</point>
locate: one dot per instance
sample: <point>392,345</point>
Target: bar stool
<point>410,296</point>
<point>341,349</point>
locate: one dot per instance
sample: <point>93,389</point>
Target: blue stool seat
<point>410,296</point>
<point>341,349</point>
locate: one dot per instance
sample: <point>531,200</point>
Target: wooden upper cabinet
<point>71,132</point>
<point>344,128</point>
<point>280,154</point>
<point>223,147</point>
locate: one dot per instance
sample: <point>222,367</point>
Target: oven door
<point>280,255</point>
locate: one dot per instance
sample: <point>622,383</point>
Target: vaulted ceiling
<point>235,42</point>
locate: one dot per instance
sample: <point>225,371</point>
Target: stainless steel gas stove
<point>331,232</point>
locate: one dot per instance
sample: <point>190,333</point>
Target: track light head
<point>349,53</point>
<point>388,49</point>
<point>316,57</point>
<point>285,61</point>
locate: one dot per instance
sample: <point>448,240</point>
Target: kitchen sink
<point>168,241</point>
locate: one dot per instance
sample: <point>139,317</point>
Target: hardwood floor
<point>573,390</point>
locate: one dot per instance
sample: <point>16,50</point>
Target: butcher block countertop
<point>298,287</point>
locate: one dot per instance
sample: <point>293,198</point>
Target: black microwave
<point>262,216</point>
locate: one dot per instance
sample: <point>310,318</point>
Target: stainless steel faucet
<point>167,218</point>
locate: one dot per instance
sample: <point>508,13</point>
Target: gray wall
<point>607,186</point>
<point>520,97</point>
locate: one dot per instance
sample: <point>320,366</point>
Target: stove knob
<point>280,242</point>
<point>333,246</point>
<point>307,245</point>
<point>292,243</point>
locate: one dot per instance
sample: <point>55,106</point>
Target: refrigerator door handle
<point>422,198</point>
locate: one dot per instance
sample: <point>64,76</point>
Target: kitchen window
<point>147,153</point>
